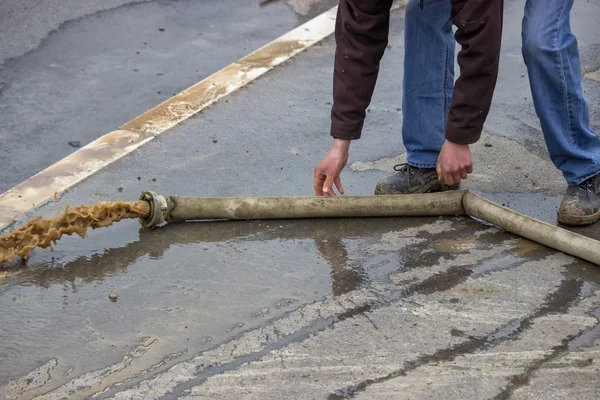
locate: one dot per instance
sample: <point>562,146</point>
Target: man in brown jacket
<point>441,117</point>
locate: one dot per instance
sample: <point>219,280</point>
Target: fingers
<point>448,178</point>
<point>456,177</point>
<point>327,173</point>
<point>452,177</point>
<point>338,184</point>
<point>470,169</point>
<point>319,180</point>
<point>328,187</point>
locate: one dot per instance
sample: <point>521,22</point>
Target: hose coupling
<point>158,210</point>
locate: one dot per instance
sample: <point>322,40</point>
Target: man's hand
<point>454,163</point>
<point>328,171</point>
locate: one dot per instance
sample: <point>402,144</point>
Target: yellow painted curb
<point>192,100</point>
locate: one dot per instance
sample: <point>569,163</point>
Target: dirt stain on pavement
<point>523,247</point>
<point>453,245</point>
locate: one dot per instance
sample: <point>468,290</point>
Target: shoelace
<point>404,168</point>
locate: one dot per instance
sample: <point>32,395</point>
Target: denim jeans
<point>551,54</point>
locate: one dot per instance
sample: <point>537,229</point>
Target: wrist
<point>451,143</point>
<point>341,145</point>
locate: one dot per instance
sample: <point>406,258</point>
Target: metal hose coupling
<point>158,210</point>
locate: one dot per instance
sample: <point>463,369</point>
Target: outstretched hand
<point>327,173</point>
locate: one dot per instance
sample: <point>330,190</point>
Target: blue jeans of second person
<point>551,54</point>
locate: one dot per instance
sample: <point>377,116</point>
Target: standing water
<point>43,232</point>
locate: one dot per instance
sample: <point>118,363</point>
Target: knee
<point>529,47</point>
<point>535,44</point>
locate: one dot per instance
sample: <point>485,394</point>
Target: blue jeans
<point>552,58</point>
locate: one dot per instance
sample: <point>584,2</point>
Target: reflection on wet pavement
<point>48,297</point>
<point>344,278</point>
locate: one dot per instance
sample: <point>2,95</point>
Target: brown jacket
<point>361,35</point>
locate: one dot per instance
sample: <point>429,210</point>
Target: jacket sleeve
<point>361,35</point>
<point>479,33</point>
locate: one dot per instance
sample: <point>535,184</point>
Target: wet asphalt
<point>327,309</point>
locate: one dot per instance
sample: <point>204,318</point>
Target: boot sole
<point>431,187</point>
<point>579,220</point>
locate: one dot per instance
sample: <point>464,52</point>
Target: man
<point>442,118</point>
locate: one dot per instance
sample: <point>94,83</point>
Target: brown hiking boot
<point>409,180</point>
<point>581,205</point>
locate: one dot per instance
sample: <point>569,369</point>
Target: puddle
<point>344,276</point>
<point>496,264</point>
<point>588,338</point>
<point>189,287</point>
<point>177,285</point>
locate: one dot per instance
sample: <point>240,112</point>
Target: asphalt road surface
<point>399,308</point>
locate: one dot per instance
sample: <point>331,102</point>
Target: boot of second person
<point>410,180</point>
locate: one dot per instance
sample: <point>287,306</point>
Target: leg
<point>552,58</point>
<point>428,79</point>
<point>426,96</point>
